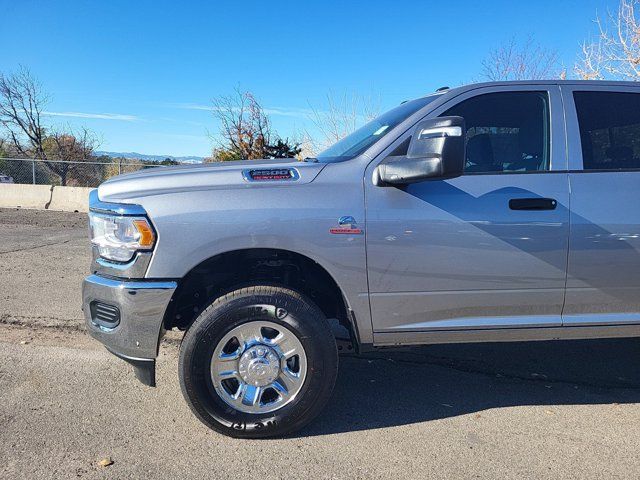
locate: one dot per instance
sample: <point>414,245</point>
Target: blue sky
<point>140,73</point>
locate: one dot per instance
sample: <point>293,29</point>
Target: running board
<point>505,335</point>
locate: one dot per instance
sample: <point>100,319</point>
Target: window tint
<point>609,129</point>
<point>506,132</point>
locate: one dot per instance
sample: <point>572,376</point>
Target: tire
<point>273,312</point>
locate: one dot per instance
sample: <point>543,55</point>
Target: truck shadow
<point>394,388</point>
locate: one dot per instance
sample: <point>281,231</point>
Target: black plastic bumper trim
<point>145,369</point>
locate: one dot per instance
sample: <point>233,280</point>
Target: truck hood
<point>207,176</point>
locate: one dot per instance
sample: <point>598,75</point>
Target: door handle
<point>533,204</point>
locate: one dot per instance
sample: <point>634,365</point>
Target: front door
<point>485,250</point>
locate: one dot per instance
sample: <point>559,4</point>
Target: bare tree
<point>616,52</point>
<point>22,101</point>
<point>63,151</point>
<point>245,128</point>
<point>343,115</point>
<point>526,60</point>
<point>590,62</point>
<point>21,104</point>
<point>246,132</point>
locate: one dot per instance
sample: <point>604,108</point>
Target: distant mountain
<point>151,158</point>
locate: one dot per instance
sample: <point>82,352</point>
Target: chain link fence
<point>65,173</point>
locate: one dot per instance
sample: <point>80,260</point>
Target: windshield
<point>356,143</point>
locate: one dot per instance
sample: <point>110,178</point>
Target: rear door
<point>603,126</point>
<point>475,252</point>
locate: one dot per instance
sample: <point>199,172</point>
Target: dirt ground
<point>528,410</point>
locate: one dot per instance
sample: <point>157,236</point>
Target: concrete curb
<point>44,197</point>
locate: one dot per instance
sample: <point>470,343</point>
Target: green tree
<point>278,149</point>
<point>169,161</point>
<point>283,149</point>
<point>224,155</point>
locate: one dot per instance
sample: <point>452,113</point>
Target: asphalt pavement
<point>69,409</point>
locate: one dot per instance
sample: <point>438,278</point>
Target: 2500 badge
<point>271,174</point>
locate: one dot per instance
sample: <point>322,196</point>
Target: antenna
<point>442,89</point>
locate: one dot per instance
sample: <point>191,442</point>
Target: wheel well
<point>228,271</point>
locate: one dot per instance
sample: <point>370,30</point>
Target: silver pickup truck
<point>489,212</point>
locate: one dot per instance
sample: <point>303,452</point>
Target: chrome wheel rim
<point>258,367</point>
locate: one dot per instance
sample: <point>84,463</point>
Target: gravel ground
<point>43,258</point>
<point>529,410</point>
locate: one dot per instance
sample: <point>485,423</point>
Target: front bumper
<point>141,305</point>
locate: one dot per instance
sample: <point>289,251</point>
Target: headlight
<point>119,238</point>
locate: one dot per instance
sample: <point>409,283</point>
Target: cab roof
<point>593,83</point>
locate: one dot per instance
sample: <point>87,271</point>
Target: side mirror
<point>436,152</point>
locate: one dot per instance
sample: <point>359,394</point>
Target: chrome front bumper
<point>141,306</point>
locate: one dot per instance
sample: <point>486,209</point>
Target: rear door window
<point>609,129</point>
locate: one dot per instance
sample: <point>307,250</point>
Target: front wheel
<point>258,362</point>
